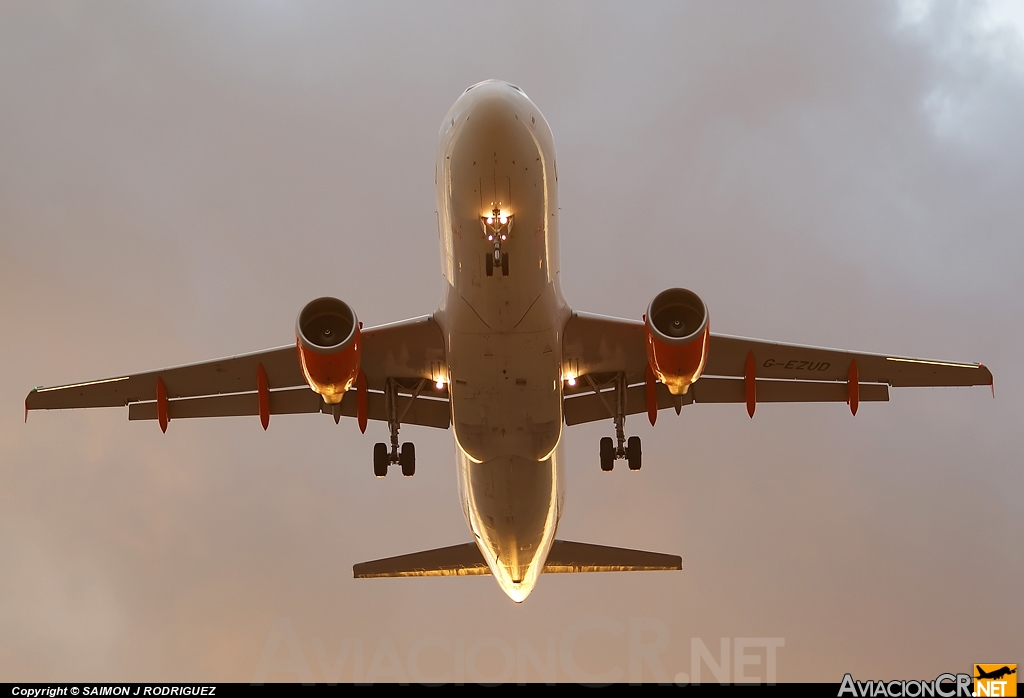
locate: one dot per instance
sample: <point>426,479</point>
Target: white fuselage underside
<point>503,334</point>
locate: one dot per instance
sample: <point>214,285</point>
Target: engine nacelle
<point>327,337</point>
<point>677,338</point>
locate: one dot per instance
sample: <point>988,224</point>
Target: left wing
<point>411,352</point>
<point>738,370</point>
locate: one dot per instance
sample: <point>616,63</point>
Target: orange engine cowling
<point>677,338</point>
<point>327,337</point>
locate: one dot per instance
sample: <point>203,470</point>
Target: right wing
<point>411,352</point>
<point>596,348</point>
<point>727,357</point>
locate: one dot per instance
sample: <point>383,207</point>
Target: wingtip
<point>991,379</point>
<point>27,398</point>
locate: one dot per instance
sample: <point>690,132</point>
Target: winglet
<point>26,408</point>
<point>991,380</point>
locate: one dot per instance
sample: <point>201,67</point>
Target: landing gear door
<point>495,193</point>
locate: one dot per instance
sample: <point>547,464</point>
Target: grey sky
<point>178,179</point>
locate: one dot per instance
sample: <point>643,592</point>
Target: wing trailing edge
<point>425,410</point>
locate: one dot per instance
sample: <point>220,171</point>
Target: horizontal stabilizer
<point>564,557</point>
<point>567,556</point>
<point>453,561</point>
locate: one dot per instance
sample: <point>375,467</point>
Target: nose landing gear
<point>497,227</point>
<point>497,259</point>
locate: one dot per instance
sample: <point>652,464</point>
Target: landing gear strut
<point>621,449</point>
<point>497,227</point>
<point>406,456</point>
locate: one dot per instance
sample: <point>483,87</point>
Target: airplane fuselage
<point>502,316</point>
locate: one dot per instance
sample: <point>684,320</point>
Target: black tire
<point>633,453</point>
<point>380,459</point>
<point>407,459</point>
<point>504,263</point>
<point>489,263</point>
<point>607,454</point>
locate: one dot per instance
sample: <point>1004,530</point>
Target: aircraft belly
<point>503,331</point>
<point>506,396</point>
<point>513,505</point>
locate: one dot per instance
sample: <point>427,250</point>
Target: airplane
<point>996,674</point>
<point>506,363</point>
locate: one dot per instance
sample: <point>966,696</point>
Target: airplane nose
<point>493,107</point>
<point>494,85</point>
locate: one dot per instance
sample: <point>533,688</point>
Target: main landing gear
<point>382,456</point>
<point>621,449</point>
<point>631,453</point>
<point>382,459</point>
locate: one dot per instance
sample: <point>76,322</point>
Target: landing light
<point>497,224</point>
<point>439,385</point>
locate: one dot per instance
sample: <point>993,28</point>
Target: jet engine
<point>327,337</point>
<point>677,338</point>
